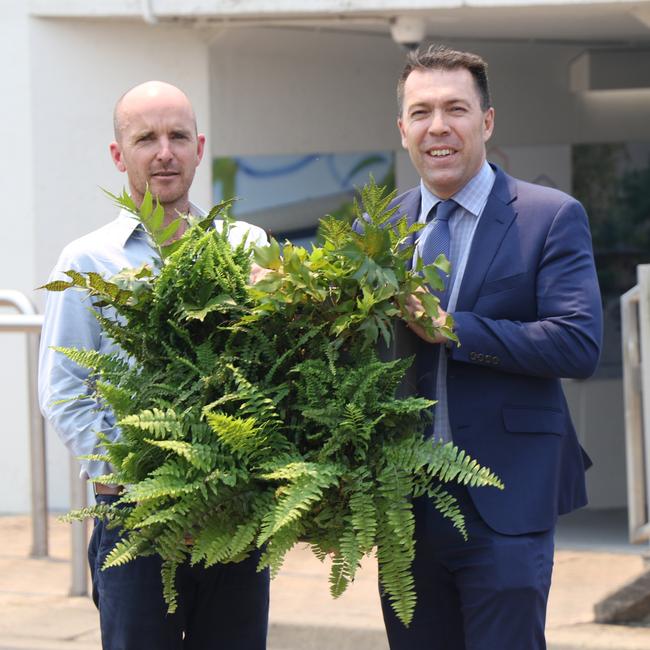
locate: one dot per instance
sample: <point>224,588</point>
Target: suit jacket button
<point>480,357</point>
<point>472,356</point>
<point>495,360</point>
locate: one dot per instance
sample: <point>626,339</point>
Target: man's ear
<point>200,147</point>
<point>488,124</point>
<point>116,156</point>
<point>402,132</point>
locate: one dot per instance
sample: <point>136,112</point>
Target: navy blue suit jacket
<point>528,313</point>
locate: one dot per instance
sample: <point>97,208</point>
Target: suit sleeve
<point>565,338</point>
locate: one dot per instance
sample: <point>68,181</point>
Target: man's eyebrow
<point>423,103</point>
<point>418,104</point>
<point>139,135</point>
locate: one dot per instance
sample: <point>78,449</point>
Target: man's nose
<point>438,124</point>
<point>164,150</point>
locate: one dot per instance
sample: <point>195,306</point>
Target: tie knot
<point>443,210</point>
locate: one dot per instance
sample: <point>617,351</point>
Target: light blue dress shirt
<point>69,322</point>
<point>471,201</point>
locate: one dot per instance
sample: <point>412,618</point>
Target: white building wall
<point>299,91</point>
<point>16,252</point>
<point>294,91</point>
<point>79,69</point>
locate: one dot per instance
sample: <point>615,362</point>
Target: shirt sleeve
<point>254,234</point>
<point>63,386</point>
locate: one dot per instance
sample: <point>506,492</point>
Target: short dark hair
<point>440,57</point>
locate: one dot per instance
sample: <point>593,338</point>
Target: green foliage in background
<point>261,416</point>
<point>615,190</point>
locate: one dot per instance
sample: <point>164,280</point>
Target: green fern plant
<point>261,416</point>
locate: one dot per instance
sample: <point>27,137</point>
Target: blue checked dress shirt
<point>471,200</point>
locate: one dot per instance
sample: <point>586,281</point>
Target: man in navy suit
<point>525,301</point>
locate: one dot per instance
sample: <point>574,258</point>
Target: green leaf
<point>57,285</point>
<point>154,222</point>
<point>432,276</point>
<point>166,233</point>
<point>268,257</point>
<point>146,207</point>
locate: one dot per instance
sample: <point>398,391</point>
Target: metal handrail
<point>635,326</point>
<point>30,322</point>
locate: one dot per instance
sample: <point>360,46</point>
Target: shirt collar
<point>127,223</point>
<point>472,196</point>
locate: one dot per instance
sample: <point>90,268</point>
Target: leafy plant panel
<point>261,416</point>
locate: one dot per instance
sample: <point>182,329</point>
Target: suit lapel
<point>497,216</point>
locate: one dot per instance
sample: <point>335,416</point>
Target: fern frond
<point>95,361</point>
<point>170,593</point>
<point>363,517</point>
<point>279,545</point>
<point>447,505</point>
<point>171,484</point>
<point>307,485</point>
<point>156,421</point>
<point>242,435</point>
<point>345,563</point>
<point>449,463</point>
<point>99,511</point>
<point>200,456</point>
<point>124,551</point>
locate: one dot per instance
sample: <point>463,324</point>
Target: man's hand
<point>414,307</point>
<point>257,273</point>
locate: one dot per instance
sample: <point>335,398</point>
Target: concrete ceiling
<point>569,21</point>
<point>607,23</point>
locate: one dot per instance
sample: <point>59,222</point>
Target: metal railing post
<point>635,330</point>
<point>643,276</point>
<point>79,533</point>
<point>30,322</point>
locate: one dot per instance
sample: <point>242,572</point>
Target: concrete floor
<point>37,614</point>
<point>603,530</point>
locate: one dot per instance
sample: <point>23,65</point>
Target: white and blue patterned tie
<point>438,241</point>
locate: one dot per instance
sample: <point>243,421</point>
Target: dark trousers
<point>223,607</point>
<point>488,593</point>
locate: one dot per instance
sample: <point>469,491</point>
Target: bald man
<point>225,606</point>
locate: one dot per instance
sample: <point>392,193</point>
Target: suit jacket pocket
<point>534,420</point>
<point>501,284</point>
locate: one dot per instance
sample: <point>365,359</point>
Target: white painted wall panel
<point>79,70</point>
<point>16,251</point>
